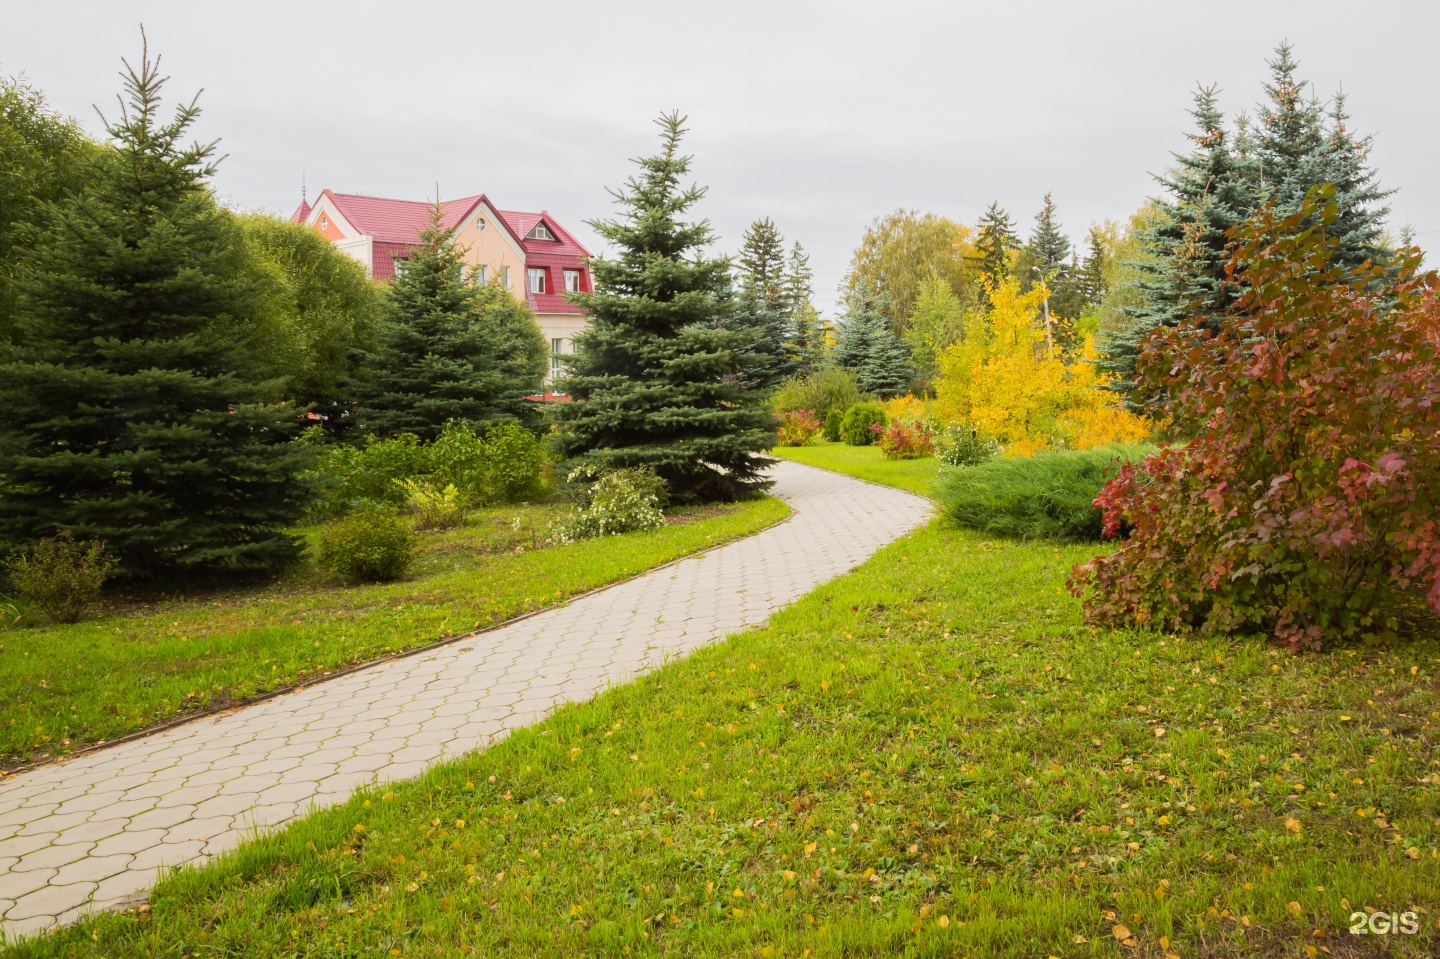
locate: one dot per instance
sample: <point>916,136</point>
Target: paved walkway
<point>93,832</point>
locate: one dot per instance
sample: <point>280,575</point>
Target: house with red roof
<point>529,254</point>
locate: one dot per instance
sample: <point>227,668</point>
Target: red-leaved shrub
<point>905,440</point>
<point>798,427</point>
<point>1309,497</point>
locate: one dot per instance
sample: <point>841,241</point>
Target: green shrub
<point>855,428</point>
<point>505,465</point>
<point>514,465</point>
<point>1048,495</point>
<point>371,545</point>
<point>61,576</point>
<point>348,476</point>
<point>961,445</point>
<point>432,506</point>
<point>828,388</point>
<point>621,501</point>
<point>833,419</point>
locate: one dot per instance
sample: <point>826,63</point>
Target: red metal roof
<point>397,221</point>
<point>301,214</point>
<point>395,226</point>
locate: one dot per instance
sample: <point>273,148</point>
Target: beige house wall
<point>492,248</point>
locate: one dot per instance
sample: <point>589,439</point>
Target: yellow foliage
<point>1004,379</point>
<point>906,409</point>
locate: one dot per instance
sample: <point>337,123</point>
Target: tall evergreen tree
<point>1091,276</point>
<point>127,411</point>
<point>761,311</point>
<point>867,346</point>
<point>1049,256</point>
<point>1295,147</point>
<point>995,242</point>
<point>448,348</point>
<point>799,281</point>
<point>1210,189</point>
<point>808,344</point>
<point>657,380</point>
<point>762,266</point>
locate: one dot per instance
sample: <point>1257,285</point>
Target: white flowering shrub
<point>622,501</point>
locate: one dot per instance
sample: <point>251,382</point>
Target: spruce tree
<point>762,266</point>
<point>807,345</point>
<point>449,349</point>
<point>1296,151</point>
<point>868,347</point>
<point>761,311</point>
<point>1091,276</point>
<point>995,242</point>
<point>127,412</point>
<point>1048,256</point>
<point>1295,147</point>
<point>657,380</point>
<point>1210,190</point>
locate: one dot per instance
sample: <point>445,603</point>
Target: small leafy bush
<point>61,576</point>
<point>855,428</point>
<point>798,427</point>
<point>1043,496</point>
<point>371,545</point>
<point>348,476</point>
<point>906,440</point>
<point>833,419</point>
<point>828,388</point>
<point>434,507</point>
<point>1305,506</point>
<point>621,501</point>
<point>960,445</point>
<point>505,465</point>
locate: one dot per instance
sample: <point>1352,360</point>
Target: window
<point>480,225</point>
<point>505,277</point>
<point>482,274</point>
<point>557,351</point>
<point>541,232</point>
<point>572,281</point>
<point>398,262</point>
<point>536,280</point>
<point>324,222</point>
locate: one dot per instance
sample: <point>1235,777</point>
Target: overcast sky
<point>821,115</point>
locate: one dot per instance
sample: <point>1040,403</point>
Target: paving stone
<point>196,790</point>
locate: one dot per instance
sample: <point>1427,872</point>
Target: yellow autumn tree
<point>1005,379</point>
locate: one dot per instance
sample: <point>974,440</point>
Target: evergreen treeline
<point>1295,144</point>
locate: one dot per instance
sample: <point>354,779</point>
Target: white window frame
<point>572,281</point>
<point>557,352</point>
<point>540,232</point>
<point>535,280</point>
<point>505,277</point>
<point>481,274</point>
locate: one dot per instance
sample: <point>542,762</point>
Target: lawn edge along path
<point>325,677</point>
<point>92,832</point>
<point>323,673</point>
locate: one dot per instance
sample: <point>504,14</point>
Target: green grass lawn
<point>930,756</point>
<point>867,463</point>
<point>139,663</point>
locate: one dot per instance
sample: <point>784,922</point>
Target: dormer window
<point>572,281</point>
<point>536,279</point>
<point>541,232</point>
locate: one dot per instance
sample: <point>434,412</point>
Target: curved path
<point>92,832</point>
